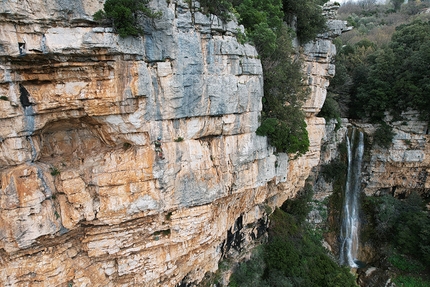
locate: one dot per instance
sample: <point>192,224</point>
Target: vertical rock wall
<point>84,199</point>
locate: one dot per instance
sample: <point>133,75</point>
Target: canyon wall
<point>84,198</point>
<point>405,165</point>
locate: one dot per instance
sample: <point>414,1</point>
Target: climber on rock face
<point>158,148</point>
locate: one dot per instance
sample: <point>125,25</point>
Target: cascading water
<point>350,221</point>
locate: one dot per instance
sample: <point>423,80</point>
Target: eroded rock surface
<point>85,200</point>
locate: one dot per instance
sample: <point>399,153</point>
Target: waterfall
<point>350,221</point>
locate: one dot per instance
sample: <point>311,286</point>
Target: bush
<point>333,170</point>
<point>403,263</point>
<point>299,207</point>
<point>292,257</point>
<point>383,135</point>
<point>411,281</point>
<point>310,21</point>
<point>124,15</point>
<point>283,120</point>
<point>284,137</point>
<point>221,8</point>
<point>403,225</point>
<point>54,171</point>
<point>331,110</point>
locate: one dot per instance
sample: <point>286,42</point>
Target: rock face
<point>85,200</point>
<point>405,165</point>
<point>397,171</point>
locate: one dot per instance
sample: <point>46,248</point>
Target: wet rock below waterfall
<point>374,277</point>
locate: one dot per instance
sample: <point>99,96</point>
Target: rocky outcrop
<point>405,165</point>
<point>85,200</point>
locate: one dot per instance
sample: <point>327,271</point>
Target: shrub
<point>405,264</point>
<point>126,145</point>
<point>331,110</point>
<point>221,8</point>
<point>4,98</point>
<point>250,273</point>
<point>383,135</point>
<point>283,120</point>
<point>54,171</point>
<point>310,20</point>
<point>411,281</point>
<point>179,139</point>
<point>124,15</point>
<point>299,207</point>
<point>333,170</point>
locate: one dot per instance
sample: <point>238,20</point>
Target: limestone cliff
<point>398,170</point>
<point>84,199</point>
<point>405,165</point>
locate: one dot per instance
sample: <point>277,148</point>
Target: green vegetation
<point>124,15</point>
<point>384,135</point>
<point>221,8</point>
<point>411,281</point>
<point>382,66</point>
<point>404,263</point>
<point>54,171</point>
<point>404,227</point>
<point>168,215</point>
<point>334,170</point>
<point>179,139</point>
<point>310,21</point>
<point>331,110</point>
<point>126,146</point>
<point>4,98</point>
<point>293,256</point>
<point>282,119</point>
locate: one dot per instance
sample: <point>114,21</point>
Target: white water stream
<point>350,221</point>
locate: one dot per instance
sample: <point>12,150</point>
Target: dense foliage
<point>283,120</point>
<point>404,225</point>
<point>293,256</point>
<point>397,76</point>
<point>385,75</point>
<point>309,17</point>
<point>124,15</point>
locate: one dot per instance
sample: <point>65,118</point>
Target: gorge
<point>350,216</point>
<point>84,198</point>
<point>85,201</point>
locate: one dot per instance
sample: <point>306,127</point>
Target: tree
<point>124,15</point>
<point>308,14</point>
<point>283,120</point>
<point>397,4</point>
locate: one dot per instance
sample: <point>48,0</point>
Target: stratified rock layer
<point>85,200</point>
<point>404,166</point>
